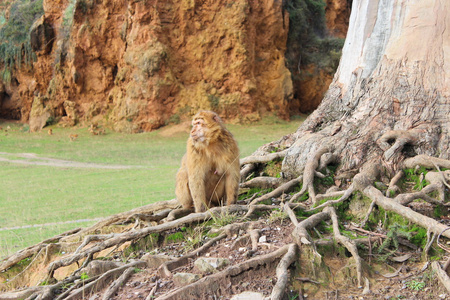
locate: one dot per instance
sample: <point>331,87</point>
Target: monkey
<point>92,129</point>
<point>95,130</point>
<point>210,171</point>
<point>73,137</point>
<point>50,131</point>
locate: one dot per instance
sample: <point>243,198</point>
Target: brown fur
<point>209,172</point>
<point>73,137</point>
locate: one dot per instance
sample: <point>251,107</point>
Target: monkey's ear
<point>217,118</point>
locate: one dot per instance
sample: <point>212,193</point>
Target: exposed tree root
<point>415,217</point>
<point>246,170</point>
<point>103,280</point>
<point>30,251</point>
<point>211,282</point>
<point>426,161</point>
<point>278,290</point>
<point>308,175</point>
<point>442,275</point>
<point>262,182</point>
<point>165,270</point>
<point>147,209</point>
<point>345,196</point>
<point>263,158</point>
<point>393,188</point>
<point>117,283</point>
<point>284,188</point>
<point>350,245</point>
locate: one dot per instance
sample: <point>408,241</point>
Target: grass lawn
<point>45,197</point>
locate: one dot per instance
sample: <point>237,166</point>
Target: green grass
<point>33,195</point>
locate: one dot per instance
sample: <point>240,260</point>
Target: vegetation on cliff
<point>15,46</point>
<point>312,53</point>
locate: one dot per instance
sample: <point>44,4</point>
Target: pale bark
<point>393,77</point>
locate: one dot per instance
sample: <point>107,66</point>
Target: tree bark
<point>393,76</point>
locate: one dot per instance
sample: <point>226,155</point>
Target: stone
<point>210,264</point>
<point>182,279</point>
<point>97,267</point>
<point>154,261</point>
<point>248,296</point>
<point>39,114</point>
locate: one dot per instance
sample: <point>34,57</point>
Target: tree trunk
<point>389,98</point>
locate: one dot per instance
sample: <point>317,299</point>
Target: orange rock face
<point>137,65</point>
<point>134,65</point>
<point>337,14</point>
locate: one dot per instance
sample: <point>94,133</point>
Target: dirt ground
<point>411,279</point>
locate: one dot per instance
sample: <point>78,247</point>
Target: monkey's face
<point>198,130</point>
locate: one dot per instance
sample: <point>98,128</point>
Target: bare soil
<point>405,284</point>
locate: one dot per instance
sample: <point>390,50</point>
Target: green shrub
<point>15,46</point>
<point>308,42</point>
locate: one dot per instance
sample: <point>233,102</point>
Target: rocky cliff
<point>137,65</point>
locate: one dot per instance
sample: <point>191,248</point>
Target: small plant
<point>223,218</point>
<point>214,101</point>
<point>277,215</point>
<point>415,285</point>
<point>193,237</point>
<point>417,177</point>
<point>395,231</point>
<point>253,191</point>
<point>84,276</point>
<point>273,169</point>
<point>174,237</point>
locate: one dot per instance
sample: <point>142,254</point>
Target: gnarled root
<point>308,175</point>
<point>278,290</point>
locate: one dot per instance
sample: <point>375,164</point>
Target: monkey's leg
<point>197,188</point>
<point>231,187</point>
<point>182,189</point>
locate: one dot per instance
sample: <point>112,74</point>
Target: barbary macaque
<point>73,137</point>
<point>209,173</point>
